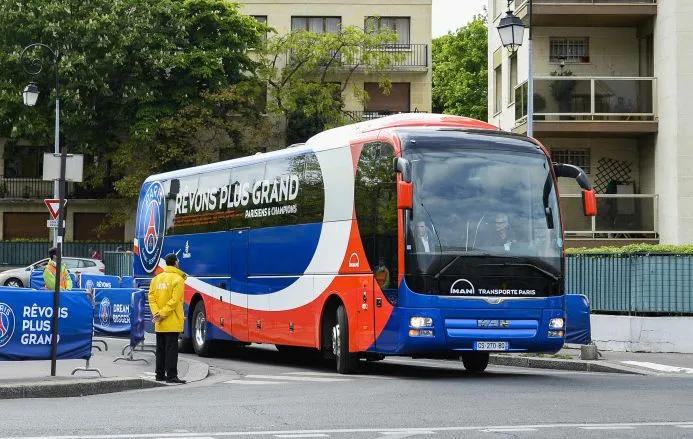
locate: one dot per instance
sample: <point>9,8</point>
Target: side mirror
<point>402,166</point>
<point>589,202</point>
<point>405,195</point>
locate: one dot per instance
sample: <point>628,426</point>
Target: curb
<point>70,388</point>
<point>558,364</point>
<point>197,370</point>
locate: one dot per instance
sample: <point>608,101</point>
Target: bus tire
<point>475,362</point>
<point>198,327</point>
<point>346,362</point>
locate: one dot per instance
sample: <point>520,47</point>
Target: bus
<point>419,235</point>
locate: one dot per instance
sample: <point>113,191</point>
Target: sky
<point>449,15</point>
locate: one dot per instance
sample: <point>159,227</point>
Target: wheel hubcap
<point>335,340</point>
<point>13,283</point>
<point>200,329</point>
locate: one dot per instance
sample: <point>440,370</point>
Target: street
<point>258,392</point>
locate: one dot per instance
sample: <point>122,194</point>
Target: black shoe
<point>175,380</point>
<point>161,378</point>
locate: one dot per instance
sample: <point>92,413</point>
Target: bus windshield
<point>480,208</point>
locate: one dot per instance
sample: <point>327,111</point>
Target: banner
<point>137,318</point>
<point>127,282</point>
<point>36,281</point>
<point>112,311</point>
<point>90,281</point>
<point>578,329</point>
<point>26,320</point>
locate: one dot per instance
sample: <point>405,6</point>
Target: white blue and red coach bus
<point>414,235</point>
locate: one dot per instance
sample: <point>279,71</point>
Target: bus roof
<point>340,136</point>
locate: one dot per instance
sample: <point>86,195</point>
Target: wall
<point>642,334</point>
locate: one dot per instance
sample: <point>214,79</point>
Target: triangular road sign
<point>54,207</point>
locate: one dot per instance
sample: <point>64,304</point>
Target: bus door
<point>239,283</point>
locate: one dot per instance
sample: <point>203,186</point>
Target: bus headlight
<point>556,323</point>
<point>420,322</point>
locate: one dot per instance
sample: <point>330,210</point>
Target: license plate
<point>491,346</point>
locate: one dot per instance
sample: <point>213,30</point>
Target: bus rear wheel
<point>201,344</point>
<point>346,362</point>
<point>475,361</point>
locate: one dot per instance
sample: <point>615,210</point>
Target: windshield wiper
<point>523,264</point>
<point>468,252</point>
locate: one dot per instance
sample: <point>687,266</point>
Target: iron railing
<point>30,188</point>
<point>580,98</point>
<point>118,263</point>
<point>360,116</point>
<point>633,284</point>
<point>21,254</point>
<point>618,216</point>
<point>520,3</point>
<point>403,56</point>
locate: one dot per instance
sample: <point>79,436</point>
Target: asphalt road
<point>258,392</point>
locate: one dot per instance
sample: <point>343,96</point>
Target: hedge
<point>635,248</point>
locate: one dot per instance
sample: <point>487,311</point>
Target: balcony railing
<point>404,56</point>
<point>618,216</point>
<point>559,98</point>
<point>360,116</point>
<point>30,188</point>
<point>519,3</point>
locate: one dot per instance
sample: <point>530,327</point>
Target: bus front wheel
<point>201,344</point>
<point>475,361</point>
<point>346,362</point>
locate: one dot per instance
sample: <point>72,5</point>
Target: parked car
<point>20,277</point>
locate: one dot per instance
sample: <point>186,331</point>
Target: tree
<point>460,71</point>
<point>307,74</point>
<point>146,85</point>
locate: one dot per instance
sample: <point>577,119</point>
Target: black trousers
<point>167,354</point>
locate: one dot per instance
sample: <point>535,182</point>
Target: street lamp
<point>511,30</point>
<point>34,66</point>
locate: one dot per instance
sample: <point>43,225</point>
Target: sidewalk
<point>568,358</point>
<point>32,379</point>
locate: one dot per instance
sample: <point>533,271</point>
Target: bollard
<point>589,352</point>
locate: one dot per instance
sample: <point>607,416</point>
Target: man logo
<point>462,287</point>
<point>7,321</point>
<point>151,226</point>
<point>105,311</point>
<point>354,261</point>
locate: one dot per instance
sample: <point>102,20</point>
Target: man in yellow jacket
<point>166,303</point>
<point>49,273</point>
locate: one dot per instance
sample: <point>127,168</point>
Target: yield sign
<point>54,207</point>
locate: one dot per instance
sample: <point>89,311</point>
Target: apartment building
<point>611,92</point>
<point>22,190</point>
<point>411,19</point>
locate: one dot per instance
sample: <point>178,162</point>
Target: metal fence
<point>633,284</point>
<point>118,263</point>
<point>19,254</point>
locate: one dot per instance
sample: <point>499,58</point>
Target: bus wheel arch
<point>328,319</point>
<point>334,332</point>
<point>197,321</point>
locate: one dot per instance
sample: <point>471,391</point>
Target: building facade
<point>610,95</point>
<point>23,214</point>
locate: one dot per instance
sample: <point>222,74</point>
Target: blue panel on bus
<point>285,250</point>
<point>206,254</point>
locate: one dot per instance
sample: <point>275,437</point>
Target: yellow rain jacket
<point>166,298</point>
<point>49,276</point>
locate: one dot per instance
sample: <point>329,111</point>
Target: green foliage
<point>460,84</point>
<point>634,248</point>
<point>145,85</point>
<point>308,73</point>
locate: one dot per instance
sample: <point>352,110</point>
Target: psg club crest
<point>7,321</point>
<point>151,226</point>
<point>105,311</point>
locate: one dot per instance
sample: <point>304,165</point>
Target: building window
<point>24,161</point>
<point>24,225</point>
<point>513,78</point>
<point>577,157</point>
<point>399,25</point>
<point>317,25</point>
<point>396,102</point>
<point>261,19</point>
<point>570,50</point>
<point>498,89</point>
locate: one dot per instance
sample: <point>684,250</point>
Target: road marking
<point>205,435</point>
<point>659,367</point>
<point>507,430</point>
<point>402,434</point>
<point>302,435</point>
<point>256,382</point>
<point>608,427</point>
<point>296,378</point>
<point>330,374</point>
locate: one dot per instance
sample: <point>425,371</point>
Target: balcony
<point>407,57</point>
<point>360,116</point>
<point>36,188</point>
<point>565,106</point>
<point>619,216</point>
<point>600,13</point>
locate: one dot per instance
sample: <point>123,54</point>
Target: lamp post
<point>34,66</point>
<point>511,30</point>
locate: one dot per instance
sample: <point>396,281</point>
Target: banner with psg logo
<point>112,311</point>
<point>26,319</point>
